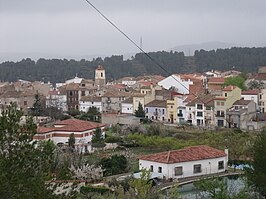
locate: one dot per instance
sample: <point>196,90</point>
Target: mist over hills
<point>188,49</point>
<point>212,45</point>
<point>58,70</point>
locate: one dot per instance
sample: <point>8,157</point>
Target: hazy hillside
<point>59,70</point>
<point>212,45</point>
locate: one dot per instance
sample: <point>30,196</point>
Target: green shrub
<point>90,189</point>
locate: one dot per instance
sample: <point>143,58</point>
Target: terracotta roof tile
<point>242,102</point>
<point>71,125</point>
<point>185,155</point>
<point>229,88</point>
<point>251,92</point>
<point>216,80</point>
<point>157,103</point>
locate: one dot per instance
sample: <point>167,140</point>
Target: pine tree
<point>140,111</point>
<point>24,164</point>
<point>257,174</point>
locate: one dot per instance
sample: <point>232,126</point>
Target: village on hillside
<point>204,100</point>
<point>164,125</point>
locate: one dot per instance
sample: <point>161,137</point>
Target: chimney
<point>226,151</point>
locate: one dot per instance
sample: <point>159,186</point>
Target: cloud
<point>72,27</point>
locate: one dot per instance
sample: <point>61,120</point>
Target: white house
<point>176,81</point>
<point>61,131</point>
<point>200,111</point>
<point>127,106</point>
<point>251,95</point>
<point>87,102</point>
<point>156,110</point>
<point>187,162</point>
<point>57,100</point>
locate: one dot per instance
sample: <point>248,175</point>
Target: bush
<point>113,139</point>
<point>115,165</point>
<point>90,189</point>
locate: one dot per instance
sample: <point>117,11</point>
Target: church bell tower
<point>100,79</point>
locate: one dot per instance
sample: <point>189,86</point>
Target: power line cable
<point>135,44</point>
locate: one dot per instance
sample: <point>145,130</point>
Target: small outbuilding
<point>187,162</point>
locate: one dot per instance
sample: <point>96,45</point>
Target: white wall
<point>208,166</point>
<point>176,82</point>
<point>251,97</point>
<point>127,108</point>
<point>85,105</point>
<point>129,82</point>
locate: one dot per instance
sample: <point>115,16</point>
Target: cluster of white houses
<point>199,99</point>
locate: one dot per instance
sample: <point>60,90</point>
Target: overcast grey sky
<point>72,27</point>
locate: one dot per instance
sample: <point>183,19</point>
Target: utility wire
<point>152,59</point>
<point>134,43</point>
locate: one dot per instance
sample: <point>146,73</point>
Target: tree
<point>238,81</point>
<point>140,111</point>
<point>114,165</point>
<point>143,185</point>
<point>24,163</point>
<point>37,108</point>
<point>257,174</point>
<point>97,136</point>
<point>255,85</point>
<point>87,172</point>
<point>92,115</point>
<point>71,141</point>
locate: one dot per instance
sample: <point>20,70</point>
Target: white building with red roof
<point>61,131</point>
<point>251,95</point>
<point>186,162</point>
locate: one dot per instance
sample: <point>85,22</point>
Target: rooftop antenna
<point>140,41</point>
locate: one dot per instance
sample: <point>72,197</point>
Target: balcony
<point>220,115</point>
<point>180,115</point>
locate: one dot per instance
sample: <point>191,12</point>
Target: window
<point>199,114</point>
<point>260,96</point>
<point>82,93</point>
<point>70,93</point>
<point>222,103</point>
<point>178,171</point>
<point>101,74</point>
<point>199,106</point>
<point>218,103</point>
<point>197,168</point>
<point>163,111</point>
<point>159,169</point>
<point>25,103</point>
<point>151,168</point>
<point>92,102</point>
<point>208,108</point>
<point>147,110</point>
<point>83,85</point>
<point>225,94</point>
<point>221,165</point>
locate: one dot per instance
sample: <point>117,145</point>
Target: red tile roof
<point>251,92</point>
<point>157,103</point>
<point>71,125</point>
<point>216,80</point>
<point>185,155</point>
<point>229,88</point>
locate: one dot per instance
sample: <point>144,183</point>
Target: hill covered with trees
<point>59,70</point>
